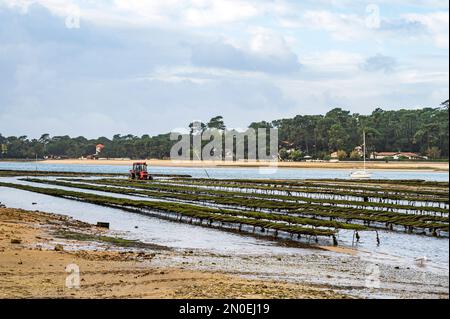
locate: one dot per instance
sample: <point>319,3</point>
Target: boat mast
<point>364,148</point>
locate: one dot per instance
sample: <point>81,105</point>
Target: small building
<point>286,144</point>
<point>396,155</point>
<point>99,148</point>
<point>334,155</point>
<point>359,150</point>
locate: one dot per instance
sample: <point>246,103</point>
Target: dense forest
<point>423,131</point>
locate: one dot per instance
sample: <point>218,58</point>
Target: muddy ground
<point>37,248</point>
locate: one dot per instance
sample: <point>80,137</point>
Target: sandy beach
<point>36,248</point>
<point>33,261</point>
<point>429,166</point>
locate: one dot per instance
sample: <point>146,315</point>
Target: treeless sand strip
<point>30,267</point>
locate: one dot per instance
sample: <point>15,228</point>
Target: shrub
<point>284,155</point>
<point>342,155</point>
<point>433,152</point>
<point>296,156</point>
<point>354,155</point>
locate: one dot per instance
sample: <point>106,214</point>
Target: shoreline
<point>34,258</point>
<point>113,267</point>
<point>400,166</point>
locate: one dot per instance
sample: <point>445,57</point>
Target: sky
<point>105,67</point>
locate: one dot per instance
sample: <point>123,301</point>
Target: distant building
<point>359,150</point>
<point>4,148</point>
<point>396,155</point>
<point>334,155</point>
<point>286,144</point>
<point>99,148</point>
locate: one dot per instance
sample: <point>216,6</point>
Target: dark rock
<point>103,225</point>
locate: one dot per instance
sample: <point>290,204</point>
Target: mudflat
<point>37,248</point>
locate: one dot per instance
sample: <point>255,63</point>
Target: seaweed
<point>187,210</point>
<point>321,211</point>
<point>286,198</point>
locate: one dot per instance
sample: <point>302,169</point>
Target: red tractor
<point>140,172</point>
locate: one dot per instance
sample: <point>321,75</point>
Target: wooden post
<point>103,225</point>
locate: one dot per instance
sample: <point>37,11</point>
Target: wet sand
<point>412,166</point>
<point>31,266</point>
<point>33,269</point>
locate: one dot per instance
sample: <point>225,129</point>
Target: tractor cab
<point>140,172</point>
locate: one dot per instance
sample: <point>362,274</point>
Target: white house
<point>396,155</point>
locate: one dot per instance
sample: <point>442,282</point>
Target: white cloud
<point>380,62</point>
<point>333,61</point>
<point>187,59</point>
<point>355,27</point>
<point>362,92</point>
<point>340,26</point>
<point>264,51</point>
<point>266,42</point>
<point>201,13</point>
<point>437,24</point>
<point>167,13</point>
<point>58,7</point>
<point>21,5</point>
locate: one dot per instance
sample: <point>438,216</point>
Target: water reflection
<point>228,173</point>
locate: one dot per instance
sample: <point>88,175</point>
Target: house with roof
<point>396,155</point>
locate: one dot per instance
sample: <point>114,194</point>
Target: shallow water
<point>229,173</point>
<point>150,229</point>
<point>395,248</point>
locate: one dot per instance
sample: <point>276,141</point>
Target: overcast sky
<point>97,68</point>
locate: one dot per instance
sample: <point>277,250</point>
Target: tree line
<point>423,131</point>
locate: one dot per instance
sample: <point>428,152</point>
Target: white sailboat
<point>364,174</point>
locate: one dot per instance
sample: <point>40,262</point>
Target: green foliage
<point>197,127</point>
<point>67,147</point>
<point>284,155</point>
<point>402,130</point>
<point>416,131</point>
<point>338,137</point>
<point>216,123</point>
<point>116,241</point>
<point>296,156</point>
<point>187,210</point>
<point>267,210</point>
<point>342,155</point>
<point>354,155</point>
<point>434,152</point>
